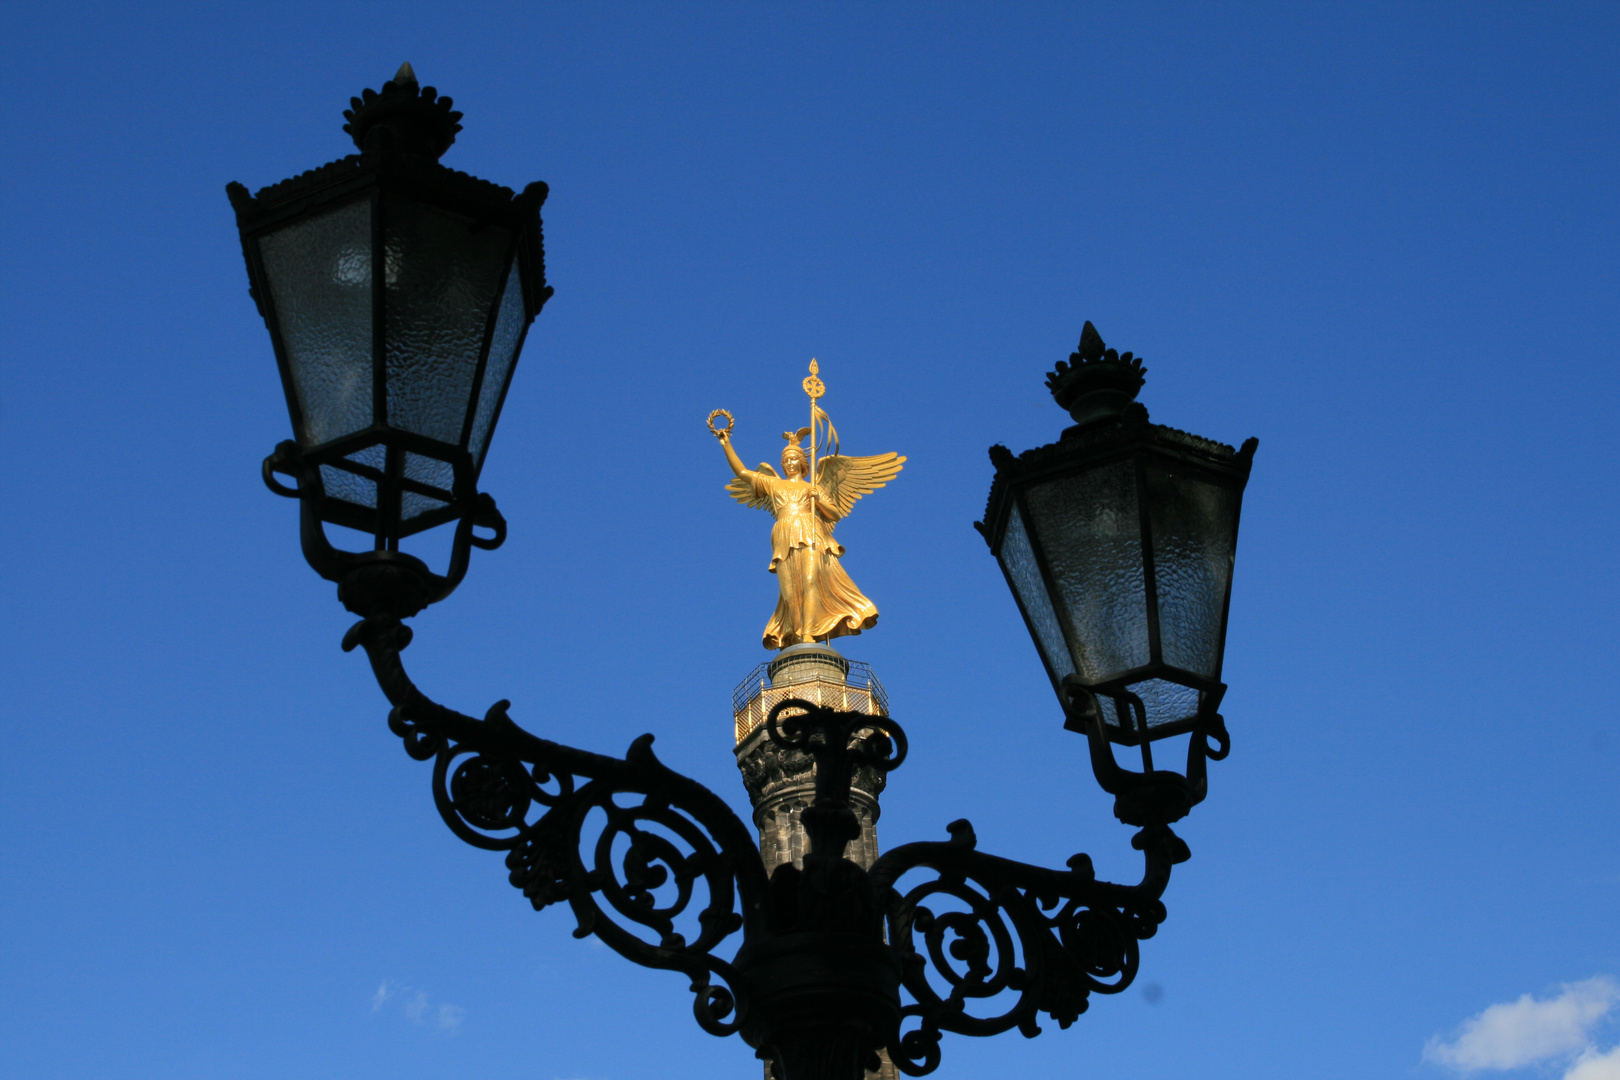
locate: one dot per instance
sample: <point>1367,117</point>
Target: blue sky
<point>1381,238</point>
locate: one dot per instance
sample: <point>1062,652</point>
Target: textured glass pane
<point>1088,527</point>
<point>1193,535</point>
<point>441,278</point>
<point>413,505</point>
<point>1110,710</point>
<point>1166,702</point>
<point>428,471</point>
<point>374,456</point>
<point>1019,562</point>
<point>348,487</point>
<point>320,284</point>
<point>503,350</point>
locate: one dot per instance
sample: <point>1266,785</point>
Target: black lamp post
<point>397,294</point>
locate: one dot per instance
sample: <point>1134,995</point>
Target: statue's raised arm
<point>745,487</point>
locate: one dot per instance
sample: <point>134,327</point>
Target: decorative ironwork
<point>633,847</point>
<point>664,873</point>
<point>629,868</point>
<point>1046,939</point>
<point>840,742</point>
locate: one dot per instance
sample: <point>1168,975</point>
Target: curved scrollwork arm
<point>628,843</point>
<point>1007,941</point>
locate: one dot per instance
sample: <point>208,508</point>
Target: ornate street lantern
<point>397,293</point>
<point>1118,542</point>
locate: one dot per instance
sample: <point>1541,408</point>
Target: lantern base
<point>379,584</point>
<point>387,584</point>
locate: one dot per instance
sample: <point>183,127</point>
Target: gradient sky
<point>1381,238</point>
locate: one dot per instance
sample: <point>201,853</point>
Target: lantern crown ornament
<point>1096,382</point>
<point>397,293</point>
<point>1118,542</point>
<point>416,116</point>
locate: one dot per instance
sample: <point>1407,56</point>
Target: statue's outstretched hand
<point>723,434</point>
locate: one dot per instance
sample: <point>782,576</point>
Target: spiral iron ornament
<point>664,873</point>
<point>649,861</point>
<point>1014,941</point>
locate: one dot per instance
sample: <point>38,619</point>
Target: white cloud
<point>415,1007</point>
<point>1592,1065</point>
<point>384,992</point>
<point>1529,1032</point>
<point>418,1007</point>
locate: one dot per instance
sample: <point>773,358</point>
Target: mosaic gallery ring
<point>721,433</point>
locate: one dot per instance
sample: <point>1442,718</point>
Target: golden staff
<point>815,388</point>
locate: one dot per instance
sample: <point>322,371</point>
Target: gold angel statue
<point>817,600</point>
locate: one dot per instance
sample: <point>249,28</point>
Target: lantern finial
<point>420,121</point>
<point>1097,382</point>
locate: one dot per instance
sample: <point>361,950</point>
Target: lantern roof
<point>401,131</point>
<point>1098,387</point>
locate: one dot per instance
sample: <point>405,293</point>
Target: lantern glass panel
<point>1166,702</point>
<point>319,271</point>
<point>1194,525</point>
<point>1111,712</point>
<point>441,275</point>
<point>1019,561</point>
<point>1091,534</point>
<point>426,470</point>
<point>350,487</point>
<point>503,350</point>
<point>346,487</point>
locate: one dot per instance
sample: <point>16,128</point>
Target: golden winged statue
<point>817,600</point>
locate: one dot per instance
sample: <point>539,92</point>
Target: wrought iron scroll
<point>1043,939</point>
<point>626,843</point>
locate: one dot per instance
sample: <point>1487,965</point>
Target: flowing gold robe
<point>816,598</point>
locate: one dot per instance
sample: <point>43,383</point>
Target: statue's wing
<point>743,491</point>
<point>845,479</point>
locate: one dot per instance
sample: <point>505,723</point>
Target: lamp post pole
<point>397,294</point>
